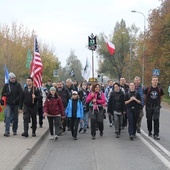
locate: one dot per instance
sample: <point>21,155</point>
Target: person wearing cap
<point>54,110</point>
<point>116,107</point>
<point>28,102</point>
<point>97,101</point>
<point>75,112</point>
<point>12,91</point>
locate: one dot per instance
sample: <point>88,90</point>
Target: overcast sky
<point>66,24</point>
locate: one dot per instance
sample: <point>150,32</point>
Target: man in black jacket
<point>65,96</point>
<point>29,100</point>
<point>12,91</point>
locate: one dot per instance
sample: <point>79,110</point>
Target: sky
<point>66,25</point>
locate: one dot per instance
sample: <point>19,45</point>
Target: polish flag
<point>110,46</point>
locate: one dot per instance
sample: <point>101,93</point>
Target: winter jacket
<point>65,96</point>
<point>100,99</point>
<point>26,98</point>
<point>53,106</point>
<point>13,93</point>
<point>80,112</point>
<point>116,102</point>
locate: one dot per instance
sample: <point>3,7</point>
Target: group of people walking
<point>70,106</point>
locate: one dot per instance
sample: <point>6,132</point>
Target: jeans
<point>85,119</point>
<point>11,113</point>
<point>132,116</point>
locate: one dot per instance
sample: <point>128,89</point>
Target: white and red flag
<point>36,66</point>
<point>110,46</point>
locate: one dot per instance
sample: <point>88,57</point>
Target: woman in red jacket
<point>54,110</point>
<point>97,101</point>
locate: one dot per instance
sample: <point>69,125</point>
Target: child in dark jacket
<point>54,110</point>
<point>74,111</point>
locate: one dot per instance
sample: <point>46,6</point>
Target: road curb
<point>24,160</point>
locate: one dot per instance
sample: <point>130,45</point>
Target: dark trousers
<point>40,114</point>
<point>30,112</point>
<point>153,114</point>
<point>96,118</point>
<point>74,123</point>
<point>110,118</point>
<point>54,122</point>
<point>132,116</point>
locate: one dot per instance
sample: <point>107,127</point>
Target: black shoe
<point>117,135</point>
<point>41,126</point>
<point>138,131</point>
<point>6,135</point>
<point>131,137</point>
<point>93,137</point>
<point>85,130</point>
<point>150,134</point>
<point>14,133</point>
<point>75,138</point>
<point>80,130</point>
<point>24,134</point>
<point>101,133</point>
<point>33,135</point>
<point>68,129</point>
<point>156,137</point>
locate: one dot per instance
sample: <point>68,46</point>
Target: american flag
<point>36,66</point>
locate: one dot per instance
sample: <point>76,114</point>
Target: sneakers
<point>51,137</point>
<point>131,137</point>
<point>110,125</point>
<point>134,136</point>
<point>156,137</point>
<point>80,130</point>
<point>24,134</point>
<point>14,133</point>
<point>55,137</point>
<point>150,134</point>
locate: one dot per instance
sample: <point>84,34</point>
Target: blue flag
<point>6,75</point>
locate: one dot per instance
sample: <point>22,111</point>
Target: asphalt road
<point>107,152</point>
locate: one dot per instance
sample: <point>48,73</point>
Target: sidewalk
<point>16,149</point>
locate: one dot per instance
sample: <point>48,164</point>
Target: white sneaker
<point>51,137</point>
<point>55,137</point>
<point>110,124</point>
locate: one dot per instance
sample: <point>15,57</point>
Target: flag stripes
<point>37,66</point>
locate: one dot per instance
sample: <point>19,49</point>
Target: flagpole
<point>92,65</point>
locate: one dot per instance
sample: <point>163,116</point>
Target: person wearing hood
<point>12,91</point>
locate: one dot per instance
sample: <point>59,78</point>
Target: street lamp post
<point>143,58</point>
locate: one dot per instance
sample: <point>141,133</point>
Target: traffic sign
<point>156,72</point>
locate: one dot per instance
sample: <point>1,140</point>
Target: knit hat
<point>12,75</point>
<point>52,89</point>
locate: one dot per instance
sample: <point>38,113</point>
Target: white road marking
<point>157,144</point>
<point>158,154</point>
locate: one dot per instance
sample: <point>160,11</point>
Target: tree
<point>74,63</point>
<point>116,66</point>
